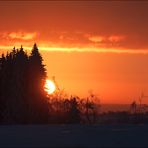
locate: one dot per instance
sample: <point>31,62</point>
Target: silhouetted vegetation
<point>23,99</point>
<point>22,96</point>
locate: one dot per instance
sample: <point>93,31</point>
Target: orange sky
<point>86,45</point>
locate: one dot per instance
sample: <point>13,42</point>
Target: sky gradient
<point>87,45</point>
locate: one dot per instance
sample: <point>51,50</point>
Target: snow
<point>74,136</point>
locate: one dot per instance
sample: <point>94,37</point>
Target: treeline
<point>23,99</point>
<point>22,96</point>
<point>123,117</point>
<point>73,109</point>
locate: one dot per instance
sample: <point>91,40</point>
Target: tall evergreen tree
<point>2,82</point>
<point>37,78</point>
<point>37,69</point>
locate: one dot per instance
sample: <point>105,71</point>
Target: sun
<point>50,86</point>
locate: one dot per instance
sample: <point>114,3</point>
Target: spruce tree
<point>37,70</point>
<point>37,78</point>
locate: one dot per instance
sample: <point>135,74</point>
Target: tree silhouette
<point>37,70</point>
<point>37,76</point>
<point>22,96</point>
<point>23,99</point>
<point>74,112</point>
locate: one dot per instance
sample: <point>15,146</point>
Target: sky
<point>87,45</point>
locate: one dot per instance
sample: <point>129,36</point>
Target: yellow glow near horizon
<point>81,49</point>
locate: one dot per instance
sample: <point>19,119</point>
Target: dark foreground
<point>74,136</point>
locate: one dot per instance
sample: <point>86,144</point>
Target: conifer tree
<point>37,78</point>
<point>2,77</point>
<point>37,70</point>
<point>22,95</point>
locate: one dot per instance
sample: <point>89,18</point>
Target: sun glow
<point>49,86</point>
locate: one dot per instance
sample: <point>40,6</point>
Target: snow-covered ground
<point>74,136</point>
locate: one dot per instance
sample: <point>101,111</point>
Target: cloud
<point>96,39</point>
<point>75,40</point>
<point>82,39</point>
<point>19,35</point>
<point>105,39</point>
<point>102,40</point>
<point>116,38</point>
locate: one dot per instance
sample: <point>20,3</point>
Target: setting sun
<point>49,86</point>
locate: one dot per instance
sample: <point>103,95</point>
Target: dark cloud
<point>76,18</point>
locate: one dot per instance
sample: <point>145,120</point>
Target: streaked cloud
<point>116,38</point>
<point>96,39</point>
<point>19,35</point>
<point>45,47</point>
<point>83,39</point>
<point>105,39</point>
<point>71,41</point>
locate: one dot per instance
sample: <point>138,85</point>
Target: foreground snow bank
<point>74,136</point>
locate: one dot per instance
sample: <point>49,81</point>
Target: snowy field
<point>74,136</point>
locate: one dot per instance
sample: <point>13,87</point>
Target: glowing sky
<point>95,45</point>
